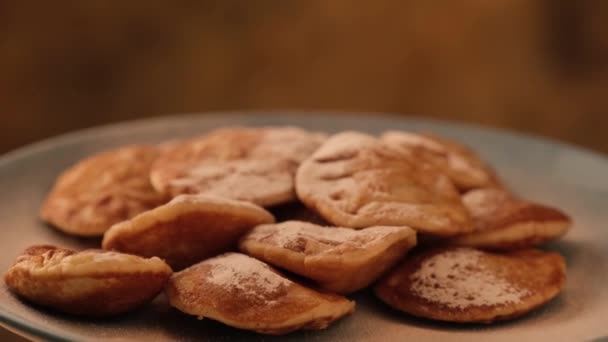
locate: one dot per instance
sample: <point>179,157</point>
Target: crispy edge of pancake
<point>337,271</point>
<point>90,283</point>
<point>514,236</point>
<point>127,236</point>
<point>51,213</point>
<point>513,223</point>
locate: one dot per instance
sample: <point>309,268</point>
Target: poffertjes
<point>89,283</point>
<point>102,190</point>
<point>421,220</point>
<point>461,164</point>
<point>354,180</point>
<point>246,293</point>
<point>249,164</point>
<point>340,260</point>
<point>186,230</point>
<point>502,221</point>
<point>466,285</point>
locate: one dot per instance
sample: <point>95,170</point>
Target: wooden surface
<point>532,66</point>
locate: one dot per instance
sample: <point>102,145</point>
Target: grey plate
<point>550,172</point>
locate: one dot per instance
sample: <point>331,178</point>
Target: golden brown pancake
<point>101,190</point>
<point>246,293</point>
<point>354,180</point>
<point>340,260</point>
<point>466,285</point>
<point>461,164</point>
<point>249,164</point>
<point>502,221</point>
<point>91,282</point>
<point>187,230</point>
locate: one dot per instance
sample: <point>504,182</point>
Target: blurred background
<point>534,66</point>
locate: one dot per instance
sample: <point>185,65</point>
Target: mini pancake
<point>101,190</point>
<point>340,260</point>
<point>296,211</point>
<point>461,164</point>
<point>354,180</point>
<point>187,230</point>
<point>464,285</point>
<point>246,293</point>
<point>91,282</point>
<point>502,221</point>
<point>249,164</point>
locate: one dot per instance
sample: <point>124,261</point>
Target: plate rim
<point>67,137</point>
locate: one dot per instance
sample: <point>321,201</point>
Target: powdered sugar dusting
<point>247,275</point>
<point>344,145</point>
<point>462,164</point>
<point>413,139</point>
<point>458,163</point>
<point>288,143</point>
<point>484,202</point>
<point>289,232</point>
<point>284,237</point>
<point>250,180</point>
<point>457,279</point>
<point>356,180</point>
<point>250,164</point>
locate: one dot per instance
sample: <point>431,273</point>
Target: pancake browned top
<point>250,164</point>
<point>354,180</point>
<point>187,230</point>
<point>341,260</point>
<point>101,190</point>
<point>503,221</point>
<point>245,293</point>
<point>460,163</point>
<point>466,285</point>
<point>91,282</point>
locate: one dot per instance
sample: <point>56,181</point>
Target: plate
<point>550,172</point>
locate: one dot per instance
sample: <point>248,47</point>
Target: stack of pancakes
<point>270,228</point>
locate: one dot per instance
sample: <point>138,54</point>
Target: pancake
<point>90,283</point>
<point>502,221</point>
<point>460,163</point>
<point>249,164</point>
<point>101,190</point>
<point>354,180</point>
<point>186,230</point>
<point>340,260</point>
<point>246,293</point>
<point>464,285</point>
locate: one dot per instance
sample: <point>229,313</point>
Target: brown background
<point>534,66</point>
